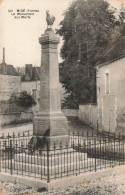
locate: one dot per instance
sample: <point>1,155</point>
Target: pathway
<point>75,126</point>
<point>109,185</point>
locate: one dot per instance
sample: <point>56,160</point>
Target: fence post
<point>97,125</point>
<point>95,152</point>
<point>73,153</point>
<point>48,176</point>
<point>3,136</point>
<point>11,166</point>
<point>87,148</point>
<point>0,155</point>
<point>73,139</point>
<point>4,154</point>
<point>61,157</point>
<point>119,148</point>
<point>22,155</point>
<point>67,156</point>
<point>114,148</point>
<point>123,149</point>
<point>13,139</point>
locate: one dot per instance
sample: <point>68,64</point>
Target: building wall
<point>111,105</point>
<point>6,107</point>
<point>29,86</point>
<point>8,85</point>
<point>88,114</point>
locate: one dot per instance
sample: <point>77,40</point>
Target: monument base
<point>51,128</point>
<point>43,142</point>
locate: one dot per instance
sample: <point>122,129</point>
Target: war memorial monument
<point>50,124</point>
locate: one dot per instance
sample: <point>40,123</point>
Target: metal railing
<point>85,152</point>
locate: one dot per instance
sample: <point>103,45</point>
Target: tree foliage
<point>86,30</point>
<point>24,100</point>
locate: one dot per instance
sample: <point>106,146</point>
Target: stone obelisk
<point>49,123</point>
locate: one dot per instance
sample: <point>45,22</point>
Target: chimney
<point>28,72</point>
<point>3,55</point>
<point>4,66</point>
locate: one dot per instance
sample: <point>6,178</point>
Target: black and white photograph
<point>62,97</point>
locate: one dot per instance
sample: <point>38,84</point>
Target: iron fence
<point>85,152</point>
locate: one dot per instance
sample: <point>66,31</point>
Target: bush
<point>24,100</point>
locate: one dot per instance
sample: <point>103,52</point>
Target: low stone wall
<point>15,118</point>
<point>71,114</point>
<point>6,107</point>
<point>88,114</point>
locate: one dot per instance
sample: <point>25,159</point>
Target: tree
<point>24,100</point>
<point>119,29</point>
<point>13,99</point>
<point>122,20</point>
<point>86,32</point>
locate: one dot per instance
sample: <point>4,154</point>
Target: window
<point>34,94</point>
<point>107,83</point>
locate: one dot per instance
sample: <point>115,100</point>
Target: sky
<point>20,36</point>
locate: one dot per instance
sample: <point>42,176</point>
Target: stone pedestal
<point>50,123</point>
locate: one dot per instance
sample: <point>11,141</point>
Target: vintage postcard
<point>62,97</point>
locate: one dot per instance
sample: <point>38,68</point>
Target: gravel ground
<point>110,185</point>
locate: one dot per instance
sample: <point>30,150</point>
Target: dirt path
<point>110,185</point>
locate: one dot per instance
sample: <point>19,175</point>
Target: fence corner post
<point>11,155</point>
<point>48,174</point>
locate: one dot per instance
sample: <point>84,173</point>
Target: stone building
<point>111,88</point>
<point>31,82</point>
<point>110,108</point>
<point>10,81</point>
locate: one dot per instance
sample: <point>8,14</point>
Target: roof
<point>36,73</point>
<point>31,73</point>
<point>116,52</point>
<point>10,70</point>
